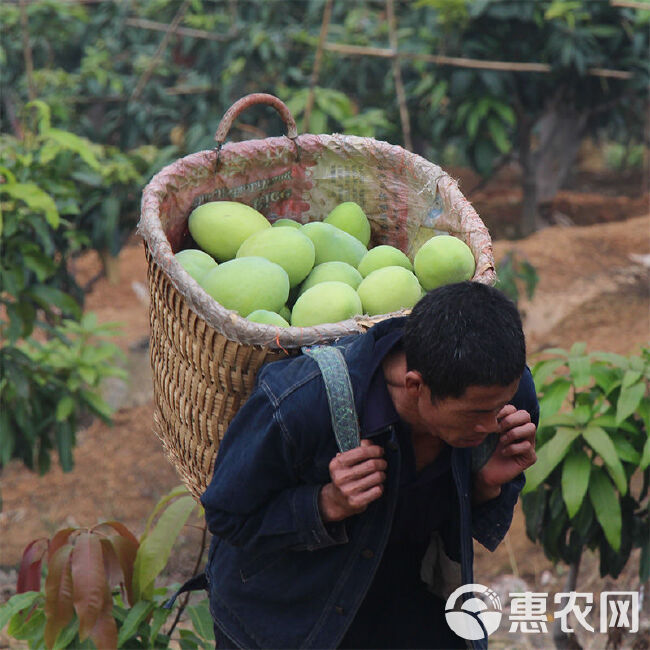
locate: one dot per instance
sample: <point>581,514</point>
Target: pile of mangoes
<point>320,272</point>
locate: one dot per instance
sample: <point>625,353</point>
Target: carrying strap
<point>340,397</point>
<point>199,581</point>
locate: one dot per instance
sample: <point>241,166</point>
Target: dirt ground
<point>594,286</point>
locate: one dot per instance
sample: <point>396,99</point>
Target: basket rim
<point>230,323</point>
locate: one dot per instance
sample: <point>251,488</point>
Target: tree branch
<point>171,29</point>
<point>397,73</point>
<point>324,28</point>
<point>27,52</point>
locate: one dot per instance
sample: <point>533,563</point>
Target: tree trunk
<point>529,208</point>
<point>558,134</point>
<point>564,640</point>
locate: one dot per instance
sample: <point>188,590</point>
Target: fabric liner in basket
<point>205,357</point>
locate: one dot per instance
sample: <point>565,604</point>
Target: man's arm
<point>256,499</point>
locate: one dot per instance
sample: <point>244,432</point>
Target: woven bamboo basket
<point>204,357</point>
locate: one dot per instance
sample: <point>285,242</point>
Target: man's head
<point>462,335</point>
<point>465,353</point>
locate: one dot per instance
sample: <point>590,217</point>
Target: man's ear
<point>413,382</point>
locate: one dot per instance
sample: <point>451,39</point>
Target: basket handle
<point>250,100</point>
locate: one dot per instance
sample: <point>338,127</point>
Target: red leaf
<point>121,529</point>
<point>104,631</point>
<point>112,567</point>
<point>60,538</point>
<point>58,594</point>
<point>126,551</point>
<point>29,574</point>
<point>88,581</point>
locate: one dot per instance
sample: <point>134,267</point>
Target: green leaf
<point>559,420</point>
<point>136,615</point>
<point>580,368</point>
<point>498,135</point>
<point>534,507</point>
<point>599,440</point>
<point>42,265</point>
<point>617,360</point>
<point>17,603</point>
<point>645,456</point>
<point>160,615</point>
<point>47,296</point>
<point>202,620</point>
<point>606,505</point>
<point>506,112</point>
<point>472,124</point>
<point>35,198</point>
<point>88,374</point>
<point>178,491</point>
<point>629,400</point>
<point>548,457</point>
<point>189,640</point>
<point>583,413</point>
<point>578,349</point>
<point>156,547</point>
<point>606,378</point>
<point>631,377</point>
<point>43,112</point>
<point>625,450</point>
<point>97,405</point>
<point>575,480</point>
<point>544,369</point>
<point>28,628</point>
<point>72,142</point>
<point>561,352</point>
<point>553,397</point>
<point>64,408</point>
<point>65,439</point>
<point>608,421</point>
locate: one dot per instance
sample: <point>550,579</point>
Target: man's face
<point>465,421</point>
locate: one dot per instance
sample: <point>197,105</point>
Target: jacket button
<point>339,610</point>
<point>367,553</point>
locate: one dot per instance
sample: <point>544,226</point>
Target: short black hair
<point>465,334</point>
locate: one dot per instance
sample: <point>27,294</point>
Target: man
<point>314,548</point>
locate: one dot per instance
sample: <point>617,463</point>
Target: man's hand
<point>357,480</point>
<point>514,453</point>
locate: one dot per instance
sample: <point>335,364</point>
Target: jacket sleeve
<point>491,520</point>
<point>255,500</point>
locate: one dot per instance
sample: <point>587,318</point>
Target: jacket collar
<point>378,411</point>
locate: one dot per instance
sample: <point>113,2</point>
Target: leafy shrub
<point>515,273</point>
<point>581,492</point>
<point>60,194</point>
<point>100,588</point>
<point>46,387</point>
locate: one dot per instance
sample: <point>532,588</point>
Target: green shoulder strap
<point>339,394</point>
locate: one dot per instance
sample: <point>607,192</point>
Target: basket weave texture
<point>204,357</point>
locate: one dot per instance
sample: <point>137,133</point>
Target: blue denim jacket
<point>278,576</point>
